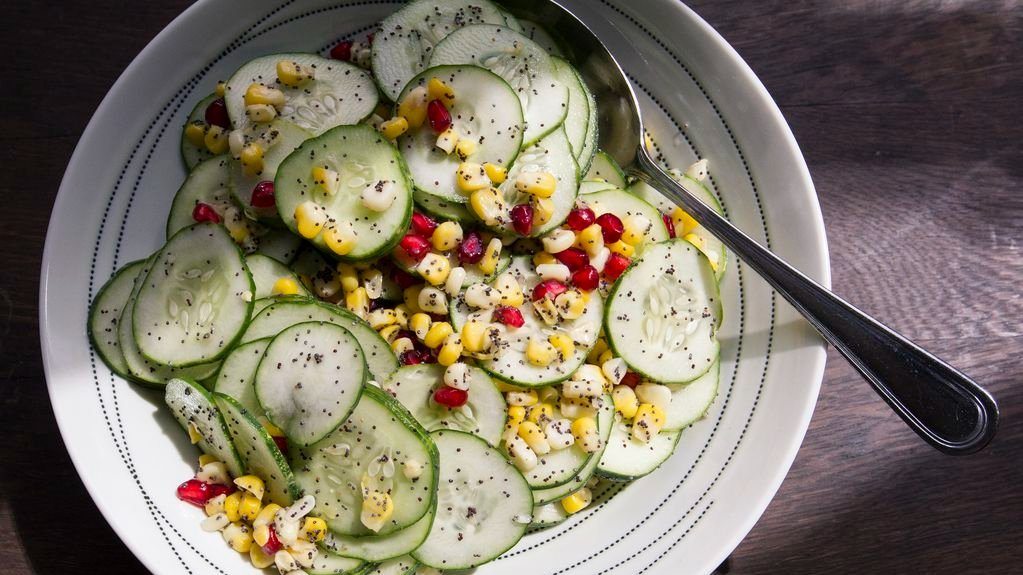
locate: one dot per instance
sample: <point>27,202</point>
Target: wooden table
<point>910,118</point>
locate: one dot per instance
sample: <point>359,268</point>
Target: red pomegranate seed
<point>410,358</point>
<point>611,227</point>
<point>586,278</point>
<point>282,443</point>
<point>580,218</point>
<point>439,116</point>
<point>343,51</point>
<point>509,316</point>
<point>426,356</point>
<point>450,397</point>
<point>668,224</point>
<point>631,379</point>
<point>273,544</point>
<point>423,225</point>
<point>199,492</point>
<point>615,265</point>
<point>415,246</point>
<point>574,258</point>
<point>263,195</point>
<point>522,218</point>
<point>470,251</point>
<point>403,278</point>
<point>369,38</point>
<point>205,213</point>
<point>216,114</point>
<point>549,288</point>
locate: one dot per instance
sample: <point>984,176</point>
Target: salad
<point>406,309</point>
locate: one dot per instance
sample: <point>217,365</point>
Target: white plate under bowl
<point>700,100</point>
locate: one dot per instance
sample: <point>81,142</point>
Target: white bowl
<point>700,100</point>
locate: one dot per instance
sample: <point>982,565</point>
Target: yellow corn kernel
<point>261,113</point>
<point>285,286</point>
<point>447,140</point>
<point>349,277</point>
<point>252,484</point>
<point>193,434</point>
<point>465,148</point>
<point>377,508</point>
<point>402,345</point>
<point>438,332</point>
<point>393,128</point>
<point>266,515</point>
<point>206,458</point>
<point>522,397</point>
<point>516,414</point>
<point>221,89</point>
<point>591,239</point>
<point>598,348</point>
<point>420,324</point>
<point>258,93</point>
<point>696,240</point>
<point>258,558</point>
<point>309,219</point>
<point>327,179</point>
<point>474,336</point>
<point>539,184</point>
<point>413,107</point>
<point>540,413</point>
<point>249,507</point>
<point>621,248</point>
<point>357,302</point>
<point>340,237</point>
<point>607,355</point>
<point>438,90</point>
<point>215,505</point>
<point>543,210</point>
<point>635,228</point>
<point>684,223</point>
<point>571,304</point>
<point>496,173</point>
<point>381,318</point>
<point>534,437</point>
<point>231,505</point>
<point>238,536</point>
<point>625,401</point>
<point>510,290</point>
<point>491,256</point>
<point>564,344</point>
<point>585,431</point>
<point>489,206</point>
<point>411,298</point>
<point>401,315</point>
<point>271,429</point>
<point>314,529</point>
<point>577,501</point>
<point>540,352</point>
<point>215,140</point>
<point>195,132</point>
<point>450,350</point>
<point>447,236</point>
<point>261,534</point>
<point>542,258</point>
<point>471,176</point>
<point>293,74</point>
<point>390,332</point>
<point>647,422</point>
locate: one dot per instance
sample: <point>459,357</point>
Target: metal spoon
<point>946,408</point>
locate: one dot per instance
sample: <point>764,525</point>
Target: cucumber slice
<point>552,154</point>
<point>191,308</point>
<point>329,564</point>
<point>511,364</point>
<point>578,116</point>
<point>484,414</point>
<point>483,507</point>
<point>541,36</point>
<point>404,565</point>
<point>510,20</point>
<point>259,452</point>
<point>486,111</point>
<point>369,450</point>
<point>238,372</point>
<point>624,204</point>
<point>339,93</point>
<point>441,208</point>
<point>626,459</point>
<point>588,187</point>
<point>293,310</point>
<point>662,313</point>
<point>191,153</point>
<point>383,547</point>
<point>280,245</point>
<point>526,67</point>
<point>406,39</point>
<point>605,421</point>
<point>712,247</point>
<point>106,312</point>
<point>605,168</point>
<point>265,273</point>
<point>310,379</point>
<point>585,158</point>
<point>363,158</point>
<point>209,183</point>
<point>548,515</point>
<point>278,140</point>
<point>193,407</point>
<point>690,402</point>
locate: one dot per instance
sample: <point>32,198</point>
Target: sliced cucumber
<point>265,273</point>
<point>383,547</point>
<point>521,62</point>
<point>191,308</point>
<point>259,452</point>
<point>406,39</point>
<point>280,245</point>
<point>486,111</point>
<point>605,421</point>
<point>441,208</point>
<point>310,379</point>
<point>592,132</point>
<point>209,183</point>
<point>238,372</point>
<point>510,20</point>
<point>293,310</point>
<point>578,116</point>
<point>404,565</point>
<point>278,140</point>
<point>106,312</point>
<point>690,402</point>
<point>369,451</point>
<point>605,168</point>
<point>541,36</point>
<point>329,564</point>
<point>552,154</point>
<point>191,153</point>
<point>362,157</point>
<point>339,93</point>
<point>195,410</point>
<point>511,364</point>
<point>626,459</point>
<point>587,187</point>
<point>663,312</point>
<point>483,415</point>
<point>483,507</point>
<point>548,515</point>
<point>624,204</point>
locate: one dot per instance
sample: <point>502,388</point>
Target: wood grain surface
<point>909,114</point>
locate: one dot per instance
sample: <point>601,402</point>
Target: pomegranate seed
<point>450,397</point>
<point>415,246</point>
<point>631,379</point>
<point>586,278</point>
<point>522,218</point>
<point>668,224</point>
<point>375,304</point>
<point>273,544</point>
<point>281,442</point>
<point>427,357</point>
<point>410,358</point>
<point>549,288</point>
<point>263,195</point>
<point>470,251</point>
<point>509,316</point>
<point>615,265</point>
<point>205,213</point>
<point>199,492</point>
<point>580,218</point>
<point>369,38</point>
<point>574,258</point>
<point>343,51</point>
<point>404,279</point>
<point>423,225</point>
<point>216,114</point>
<point>610,227</point>
<point>439,116</point>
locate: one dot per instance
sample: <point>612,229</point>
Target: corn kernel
<point>420,324</point>
<point>261,534</point>
<point>411,298</point>
<point>585,431</point>
<point>534,437</point>
<point>606,356</point>
<point>357,302</point>
<point>448,140</point>
<point>521,455</point>
<point>495,172</point>
<point>266,515</point>
<point>310,218</point>
<point>456,278</point>
<point>648,421</point>
<point>271,429</point>
<point>465,148</point>
<point>540,413</point>
<point>238,536</point>
<point>471,177</point>
<point>413,106</point>
<point>447,236</point>
<point>555,271</point>
<point>570,304</point>
<point>540,184</point>
<point>521,398</point>
<point>293,74</point>
<point>215,505</point>
<point>402,345</point>
<point>542,258</point>
<point>510,290</point>
<point>598,348</point>
<point>574,408</point>
<point>559,433</point>
<point>684,223</point>
<point>577,501</point>
<point>232,503</point>
<point>621,248</point>
<point>314,528</point>
<point>613,368</point>
<point>635,228</point>
<point>543,210</point>
<point>559,240</point>
<point>195,132</point>
<point>433,300</point>
<point>438,90</point>
<point>540,352</point>
<point>474,336</point>
<point>591,239</point>
<point>450,350</point>
<point>252,160</point>
<point>349,277</point>
<point>564,344</point>
<point>381,318</point>
<point>249,507</point>
<point>491,256</point>
<point>251,484</point>
<point>285,562</point>
<point>377,508</point>
<point>434,268</point>
<point>390,333</point>
<point>258,93</point>
<point>221,89</point>
<point>193,433</point>
<point>393,128</point>
<point>258,558</point>
<point>327,179</point>
<point>216,140</point>
<point>698,170</point>
<point>625,401</point>
<point>340,237</point>
<point>481,296</point>
<point>260,113</point>
<point>516,414</point>
<point>489,206</point>
<point>438,332</point>
<point>654,393</point>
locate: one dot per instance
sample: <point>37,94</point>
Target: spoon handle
<point>946,408</point>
